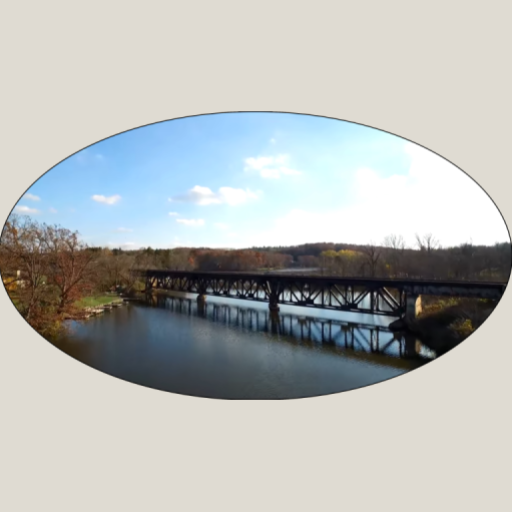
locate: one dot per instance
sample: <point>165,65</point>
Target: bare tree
<point>372,254</point>
<point>427,242</point>
<point>396,249</point>
<point>396,242</point>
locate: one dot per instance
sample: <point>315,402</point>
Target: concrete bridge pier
<point>201,304</point>
<point>413,306</point>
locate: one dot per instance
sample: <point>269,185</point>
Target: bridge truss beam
<point>371,298</point>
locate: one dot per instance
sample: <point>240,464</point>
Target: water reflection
<point>231,349</point>
<point>345,335</point>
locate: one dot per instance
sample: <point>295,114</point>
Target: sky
<point>239,180</point>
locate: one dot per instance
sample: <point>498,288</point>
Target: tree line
<point>47,269</point>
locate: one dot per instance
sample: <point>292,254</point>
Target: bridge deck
<point>377,296</point>
<point>442,286</point>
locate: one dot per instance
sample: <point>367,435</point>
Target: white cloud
<point>32,197</point>
<point>86,157</point>
<point>434,197</point>
<point>124,230</point>
<point>52,210</point>
<point>191,222</point>
<point>205,196</point>
<point>174,214</point>
<point>25,210</point>
<point>270,166</point>
<point>106,200</point>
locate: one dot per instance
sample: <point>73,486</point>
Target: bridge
<point>377,296</point>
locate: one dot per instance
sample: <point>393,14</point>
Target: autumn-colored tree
<point>51,265</point>
<point>68,261</point>
<point>23,256</point>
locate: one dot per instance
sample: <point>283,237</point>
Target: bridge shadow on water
<point>363,341</point>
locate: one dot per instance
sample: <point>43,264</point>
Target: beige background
<point>74,439</point>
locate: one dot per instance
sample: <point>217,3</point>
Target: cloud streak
<point>270,167</point>
<point>31,197</point>
<point>191,222</point>
<point>106,200</point>
<point>204,196</point>
<point>25,210</point>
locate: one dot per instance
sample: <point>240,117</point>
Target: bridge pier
<point>148,289</point>
<point>201,304</point>
<point>274,322</point>
<point>410,346</point>
<point>273,305</point>
<point>273,299</point>
<point>201,308</point>
<point>413,306</point>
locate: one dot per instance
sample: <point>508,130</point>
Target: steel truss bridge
<point>376,296</point>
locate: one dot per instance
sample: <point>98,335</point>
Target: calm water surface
<point>233,349</point>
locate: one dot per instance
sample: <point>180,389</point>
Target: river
<point>234,349</point>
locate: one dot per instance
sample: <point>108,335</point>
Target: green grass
<point>95,301</point>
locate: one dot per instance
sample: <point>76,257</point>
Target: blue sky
<point>244,179</point>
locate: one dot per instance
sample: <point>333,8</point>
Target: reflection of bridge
<point>390,297</point>
<point>368,342</point>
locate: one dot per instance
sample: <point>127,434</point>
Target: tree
<point>372,254</point>
<point>427,242</point>
<point>396,250</point>
<point>23,255</point>
<point>68,261</point>
<point>395,242</point>
<point>50,263</point>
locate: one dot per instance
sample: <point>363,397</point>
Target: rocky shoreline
<point>88,312</point>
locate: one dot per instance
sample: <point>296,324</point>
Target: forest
<point>47,269</point>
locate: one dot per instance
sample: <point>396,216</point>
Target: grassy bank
<point>96,301</point>
<point>446,322</point>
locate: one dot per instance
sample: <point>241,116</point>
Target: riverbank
<point>446,322</point>
<point>94,305</point>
